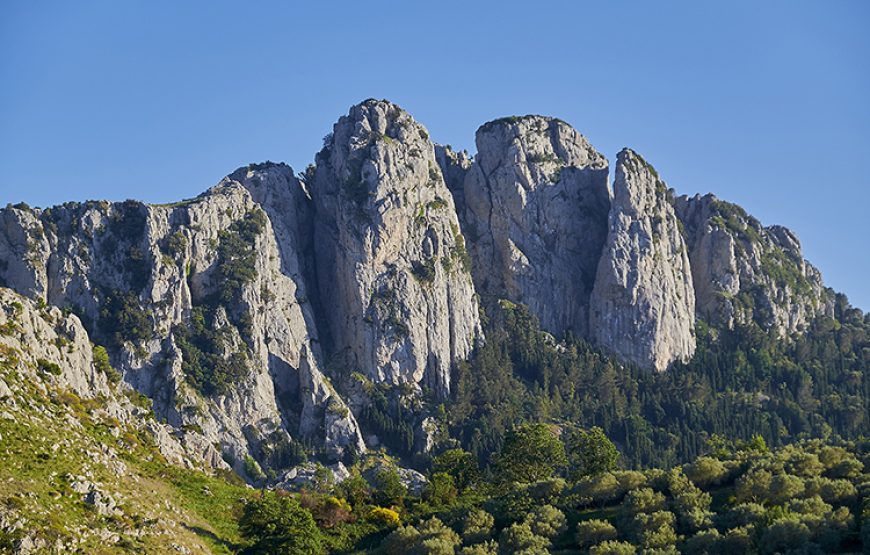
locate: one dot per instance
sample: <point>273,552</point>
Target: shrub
<point>594,531</point>
<point>48,367</point>
<point>389,489</point>
<point>101,363</point>
<point>424,271</point>
<point>384,516</point>
<point>547,521</point>
<point>706,471</point>
<point>613,547</point>
<point>477,526</point>
<point>278,524</point>
<point>519,537</point>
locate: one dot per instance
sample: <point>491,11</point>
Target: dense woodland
<point>754,446</point>
<point>740,383</point>
<point>547,495</point>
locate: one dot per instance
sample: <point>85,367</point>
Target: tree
<point>642,500</point>
<point>783,536</point>
<point>477,526</point>
<point>691,505</point>
<point>753,486</point>
<point>594,531</point>
<point>601,488</point>
<point>547,521</point>
<point>784,487</point>
<point>706,471</point>
<point>460,464</point>
<point>440,489</point>
<point>519,537</point>
<point>486,548</point>
<point>531,452</point>
<point>430,537</point>
<point>278,524</point>
<point>654,530</point>
<point>613,547</point>
<point>591,452</point>
<point>389,489</point>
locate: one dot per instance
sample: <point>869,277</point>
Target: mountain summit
<point>330,311</point>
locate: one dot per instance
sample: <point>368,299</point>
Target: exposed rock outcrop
<point>201,303</point>
<point>236,311</point>
<point>643,303</point>
<point>744,272</point>
<point>395,291</point>
<point>536,203</point>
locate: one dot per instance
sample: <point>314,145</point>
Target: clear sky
<point>766,104</point>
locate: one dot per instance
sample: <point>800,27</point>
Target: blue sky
<point>766,104</point>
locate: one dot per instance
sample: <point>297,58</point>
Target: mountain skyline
<point>117,102</point>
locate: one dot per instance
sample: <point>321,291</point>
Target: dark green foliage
<point>237,255</point>
<point>276,523</point>
<point>459,464</point>
<point>203,361</point>
<point>530,453</point>
<point>122,318</point>
<point>102,364</point>
<point>424,271</point>
<point>48,367</point>
<point>590,452</point>
<point>175,244</point>
<point>387,418</point>
<point>389,489</point>
<point>126,229</point>
<point>740,383</point>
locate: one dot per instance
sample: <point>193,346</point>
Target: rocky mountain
<point>277,314</point>
<point>643,302</point>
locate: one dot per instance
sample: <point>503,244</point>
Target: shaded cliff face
<point>643,304</point>
<point>392,268</point>
<point>202,306</point>
<point>535,216</point>
<point>745,272</point>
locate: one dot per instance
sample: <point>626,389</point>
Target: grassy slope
<point>49,439</point>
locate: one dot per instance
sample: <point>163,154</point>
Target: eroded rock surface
<point>643,303</point>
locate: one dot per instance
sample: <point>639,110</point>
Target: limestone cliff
<point>391,264</point>
<point>200,304</point>
<point>535,217</point>
<point>643,302</point>
<point>745,272</point>
<point>274,312</point>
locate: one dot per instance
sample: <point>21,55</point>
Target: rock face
<point>201,304</point>
<point>643,303</point>
<point>536,203</point>
<point>745,272</point>
<point>50,351</point>
<point>235,312</point>
<point>392,270</point>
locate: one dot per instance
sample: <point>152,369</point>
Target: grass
<point>53,439</point>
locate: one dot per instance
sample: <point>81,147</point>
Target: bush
<point>613,547</point>
<point>477,526</point>
<point>706,471</point>
<point>278,524</point>
<point>384,516</point>
<point>48,367</point>
<point>594,531</point>
<point>547,521</point>
<point>519,537</point>
<point>530,453</point>
<point>202,349</point>
<point>389,489</point>
<point>101,363</point>
<point>440,489</point>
